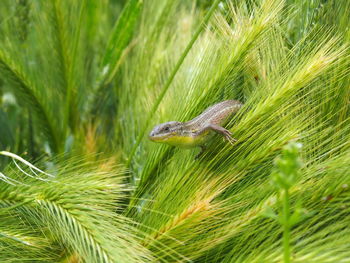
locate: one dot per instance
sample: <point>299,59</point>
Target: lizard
<point>198,131</point>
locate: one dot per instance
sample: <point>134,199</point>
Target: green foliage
<point>47,217</point>
<point>120,38</point>
<point>25,92</point>
<point>83,81</point>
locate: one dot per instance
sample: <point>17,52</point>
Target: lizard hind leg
<point>221,130</point>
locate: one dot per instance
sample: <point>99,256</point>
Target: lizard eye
<point>166,129</point>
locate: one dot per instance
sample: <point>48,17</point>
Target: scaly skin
<point>197,131</point>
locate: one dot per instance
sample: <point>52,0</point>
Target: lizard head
<point>166,132</point>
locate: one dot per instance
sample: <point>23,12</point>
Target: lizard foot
<point>227,135</point>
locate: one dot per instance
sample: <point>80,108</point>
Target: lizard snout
<point>151,135</point>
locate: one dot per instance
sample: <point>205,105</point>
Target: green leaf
<point>27,96</point>
<point>120,37</point>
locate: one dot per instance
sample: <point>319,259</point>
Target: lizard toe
<point>229,138</point>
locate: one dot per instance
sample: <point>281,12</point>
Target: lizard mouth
<point>157,138</point>
<point>160,137</point>
<point>154,138</point>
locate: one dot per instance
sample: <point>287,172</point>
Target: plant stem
<point>286,232</point>
<point>171,78</point>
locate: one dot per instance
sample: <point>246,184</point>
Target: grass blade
<point>120,38</point>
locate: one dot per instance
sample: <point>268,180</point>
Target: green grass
<point>81,84</point>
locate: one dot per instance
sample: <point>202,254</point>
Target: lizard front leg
<point>220,130</point>
<point>203,148</point>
